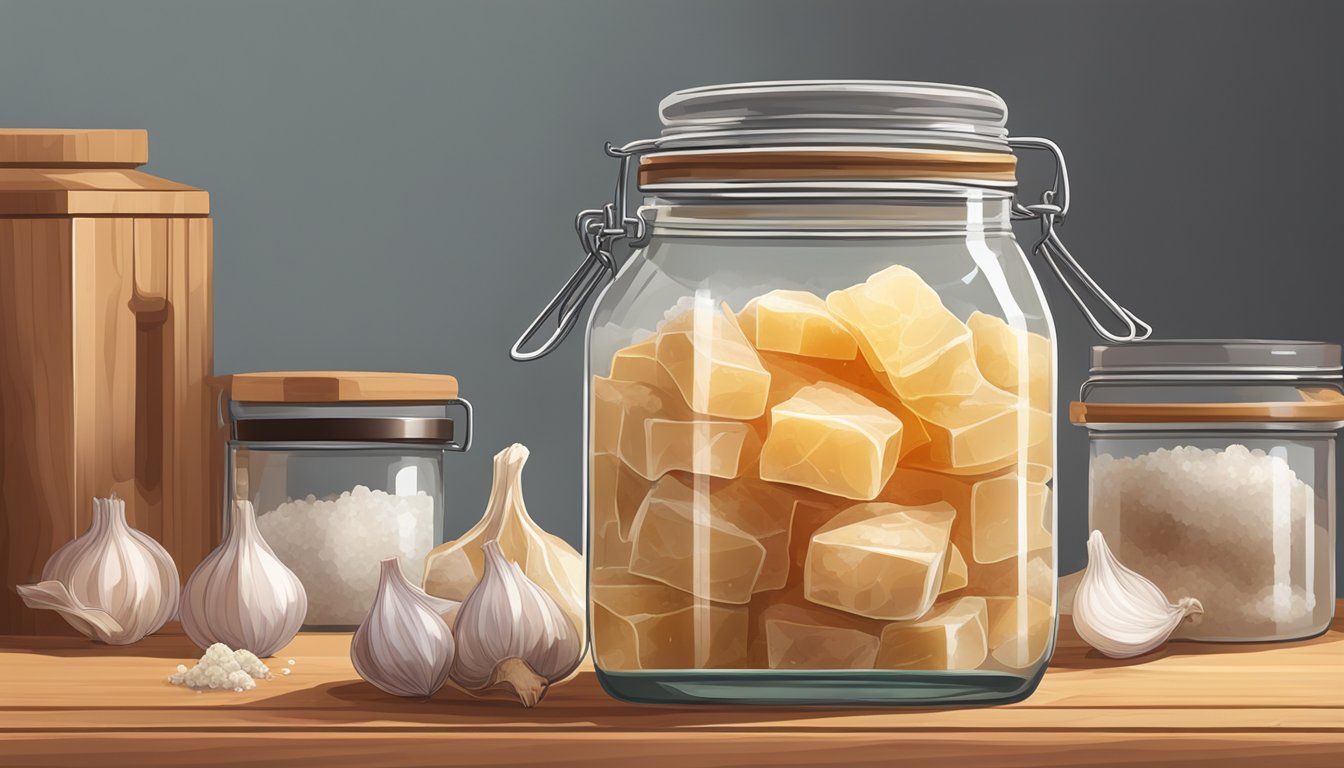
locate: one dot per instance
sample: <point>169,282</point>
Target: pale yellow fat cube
<point>796,322</point>
<point>788,374</point>
<point>654,433</point>
<point>619,410</point>
<point>719,540</point>
<point>952,374</point>
<point>1032,574</point>
<point>609,550</point>
<point>798,638</point>
<point>955,573</point>
<point>951,636</point>
<point>616,493</point>
<point>706,447</point>
<point>713,366</point>
<point>985,431</point>
<point>833,440</point>
<point>1020,628</point>
<point>641,624</point>
<point>1013,359</point>
<point>899,321</point>
<point>1007,518</point>
<point>639,362</point>
<point>882,561</point>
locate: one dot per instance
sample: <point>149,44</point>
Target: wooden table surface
<point>1226,705</point>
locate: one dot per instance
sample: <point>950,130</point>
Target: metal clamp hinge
<point>1051,211</point>
<point>598,229</point>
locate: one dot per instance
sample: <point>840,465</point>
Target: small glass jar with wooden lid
<point>344,469</point>
<point>1213,474</point>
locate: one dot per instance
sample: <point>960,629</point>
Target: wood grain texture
<point>1188,704</point>
<point>338,386</point>
<point>105,370</point>
<point>105,354</point>
<point>193,439</point>
<point>95,192</point>
<point>151,267</point>
<point>74,146</point>
<point>820,164</point>
<point>37,450</point>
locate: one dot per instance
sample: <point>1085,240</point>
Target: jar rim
<point>1244,358</point>
<point>835,134</point>
<point>835,112</point>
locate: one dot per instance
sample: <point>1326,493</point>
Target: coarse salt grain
<point>222,667</point>
<point>1224,527</point>
<point>335,545</point>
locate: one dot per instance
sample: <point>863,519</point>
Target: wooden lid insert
<point>339,387</point>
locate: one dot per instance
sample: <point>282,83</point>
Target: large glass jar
<point>344,470</point>
<point>820,402</point>
<point>1213,475</point>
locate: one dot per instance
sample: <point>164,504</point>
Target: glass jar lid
<point>851,135</point>
<point>1227,357</point>
<point>824,140</point>
<point>1209,381</point>
<point>835,112</point>
<point>345,406</point>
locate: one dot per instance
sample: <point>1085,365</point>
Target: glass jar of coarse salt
<point>1213,475</point>
<point>345,469</point>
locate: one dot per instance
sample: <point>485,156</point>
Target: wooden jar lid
<point>78,147</point>
<point>1309,410</point>
<point>339,387</point>
<point>805,164</point>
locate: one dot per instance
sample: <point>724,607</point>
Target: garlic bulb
<point>113,583</point>
<point>512,637</point>
<point>404,647</point>
<point>1119,612</point>
<point>453,569</point>
<point>241,594</point>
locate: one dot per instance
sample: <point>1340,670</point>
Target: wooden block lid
<point>87,172</point>
<point>80,147</point>
<point>339,387</point>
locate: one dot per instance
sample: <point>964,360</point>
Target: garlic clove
<point>453,569</point>
<point>241,594</point>
<point>116,584</point>
<point>512,637</point>
<point>53,596</point>
<point>404,647</point>
<point>1119,612</point>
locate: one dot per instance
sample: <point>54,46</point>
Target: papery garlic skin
<point>1121,613</point>
<point>512,636</point>
<point>241,594</point>
<point>453,569</point>
<point>112,583</point>
<point>404,647</point>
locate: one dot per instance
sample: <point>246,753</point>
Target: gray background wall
<point>393,183</point>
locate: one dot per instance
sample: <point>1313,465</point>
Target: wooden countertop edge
<point>1091,719</point>
<point>652,750</point>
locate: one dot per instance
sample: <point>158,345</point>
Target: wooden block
<point>37,449</point>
